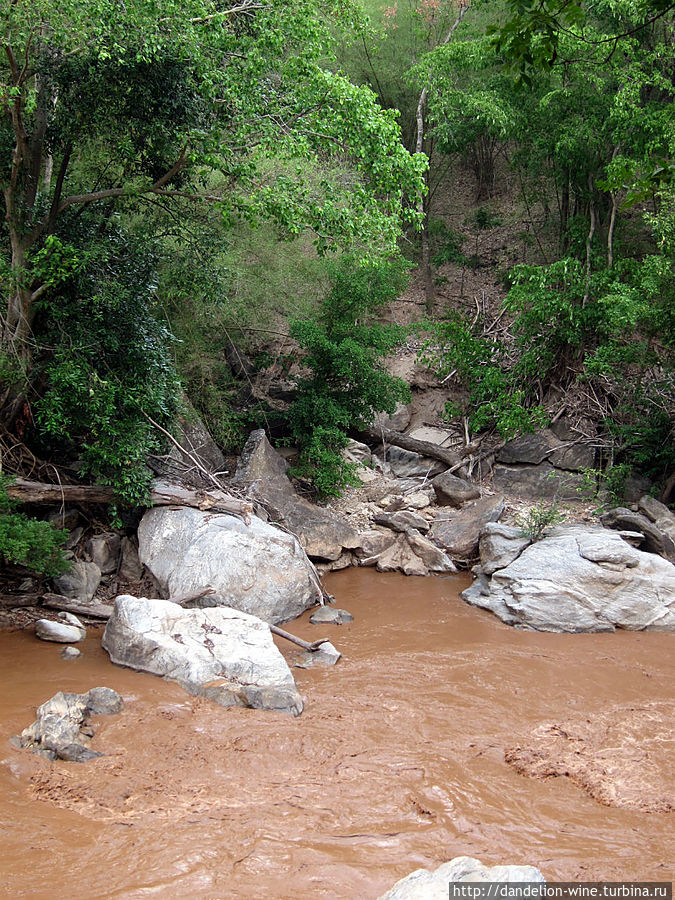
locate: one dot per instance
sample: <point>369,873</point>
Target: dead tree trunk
<point>161,494</point>
<point>424,448</point>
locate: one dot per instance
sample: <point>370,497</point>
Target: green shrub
<point>29,542</point>
<point>496,397</point>
<point>536,520</point>
<point>347,384</point>
<point>106,367</point>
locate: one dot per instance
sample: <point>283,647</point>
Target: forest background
<point>184,184</point>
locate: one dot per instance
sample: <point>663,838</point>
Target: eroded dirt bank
<point>397,762</point>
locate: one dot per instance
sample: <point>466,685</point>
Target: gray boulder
<point>131,568</point>
<point>372,543</point>
<point>569,452</point>
<point>223,654</point>
<point>262,471</point>
<point>60,730</point>
<point>499,545</point>
<point>80,583</point>
<point>580,579</point>
<point>104,550</point>
<point>402,520</point>
<point>656,538</point>
<point>401,557</point>
<point>406,464</point>
<point>540,481</point>
<point>453,491</point>
<point>657,512</point>
<point>431,555</point>
<point>458,531</point>
<point>254,568</point>
<point>67,630</point>
<point>425,885</point>
<point>399,421</point>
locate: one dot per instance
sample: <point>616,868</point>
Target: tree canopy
<point>105,102</point>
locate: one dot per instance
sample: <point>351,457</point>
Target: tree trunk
<point>161,494</point>
<point>424,448</point>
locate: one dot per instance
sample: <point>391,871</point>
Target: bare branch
<point>94,196</point>
<point>247,7</point>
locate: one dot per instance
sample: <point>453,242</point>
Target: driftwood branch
<point>162,493</point>
<point>306,645</point>
<point>79,607</point>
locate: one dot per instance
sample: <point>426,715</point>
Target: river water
<point>397,762</point>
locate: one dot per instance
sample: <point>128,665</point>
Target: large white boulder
<point>219,653</point>
<point>425,885</point>
<point>579,578</point>
<point>255,568</point>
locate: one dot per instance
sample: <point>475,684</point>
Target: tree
<point>109,109</point>
<point>104,103</point>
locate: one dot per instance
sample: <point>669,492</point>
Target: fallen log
<point>78,607</point>
<point>162,493</point>
<point>424,448</point>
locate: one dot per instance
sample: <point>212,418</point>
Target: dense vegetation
<point>179,179</point>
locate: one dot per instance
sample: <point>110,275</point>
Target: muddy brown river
<point>399,761</point>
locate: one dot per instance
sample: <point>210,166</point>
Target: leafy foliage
<point>534,523</point>
<point>347,384</point>
<point>28,542</point>
<point>108,368</point>
<point>497,397</point>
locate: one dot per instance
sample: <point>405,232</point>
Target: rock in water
<point>329,615</point>
<point>425,885</point>
<point>326,655</point>
<point>59,732</point>
<point>67,630</point>
<point>219,653</point>
<point>577,579</point>
<point>254,568</point>
<point>70,653</point>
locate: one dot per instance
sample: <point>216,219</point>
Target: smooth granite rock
<point>219,653</point>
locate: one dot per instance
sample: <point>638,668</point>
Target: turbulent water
<point>440,733</point>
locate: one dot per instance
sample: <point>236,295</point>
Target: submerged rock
<point>425,885</point>
<point>71,653</point>
<point>326,655</point>
<point>60,730</point>
<point>580,579</point>
<point>254,568</point>
<point>220,653</point>
<point>329,615</point>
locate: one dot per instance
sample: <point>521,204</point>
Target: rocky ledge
<point>575,579</point>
